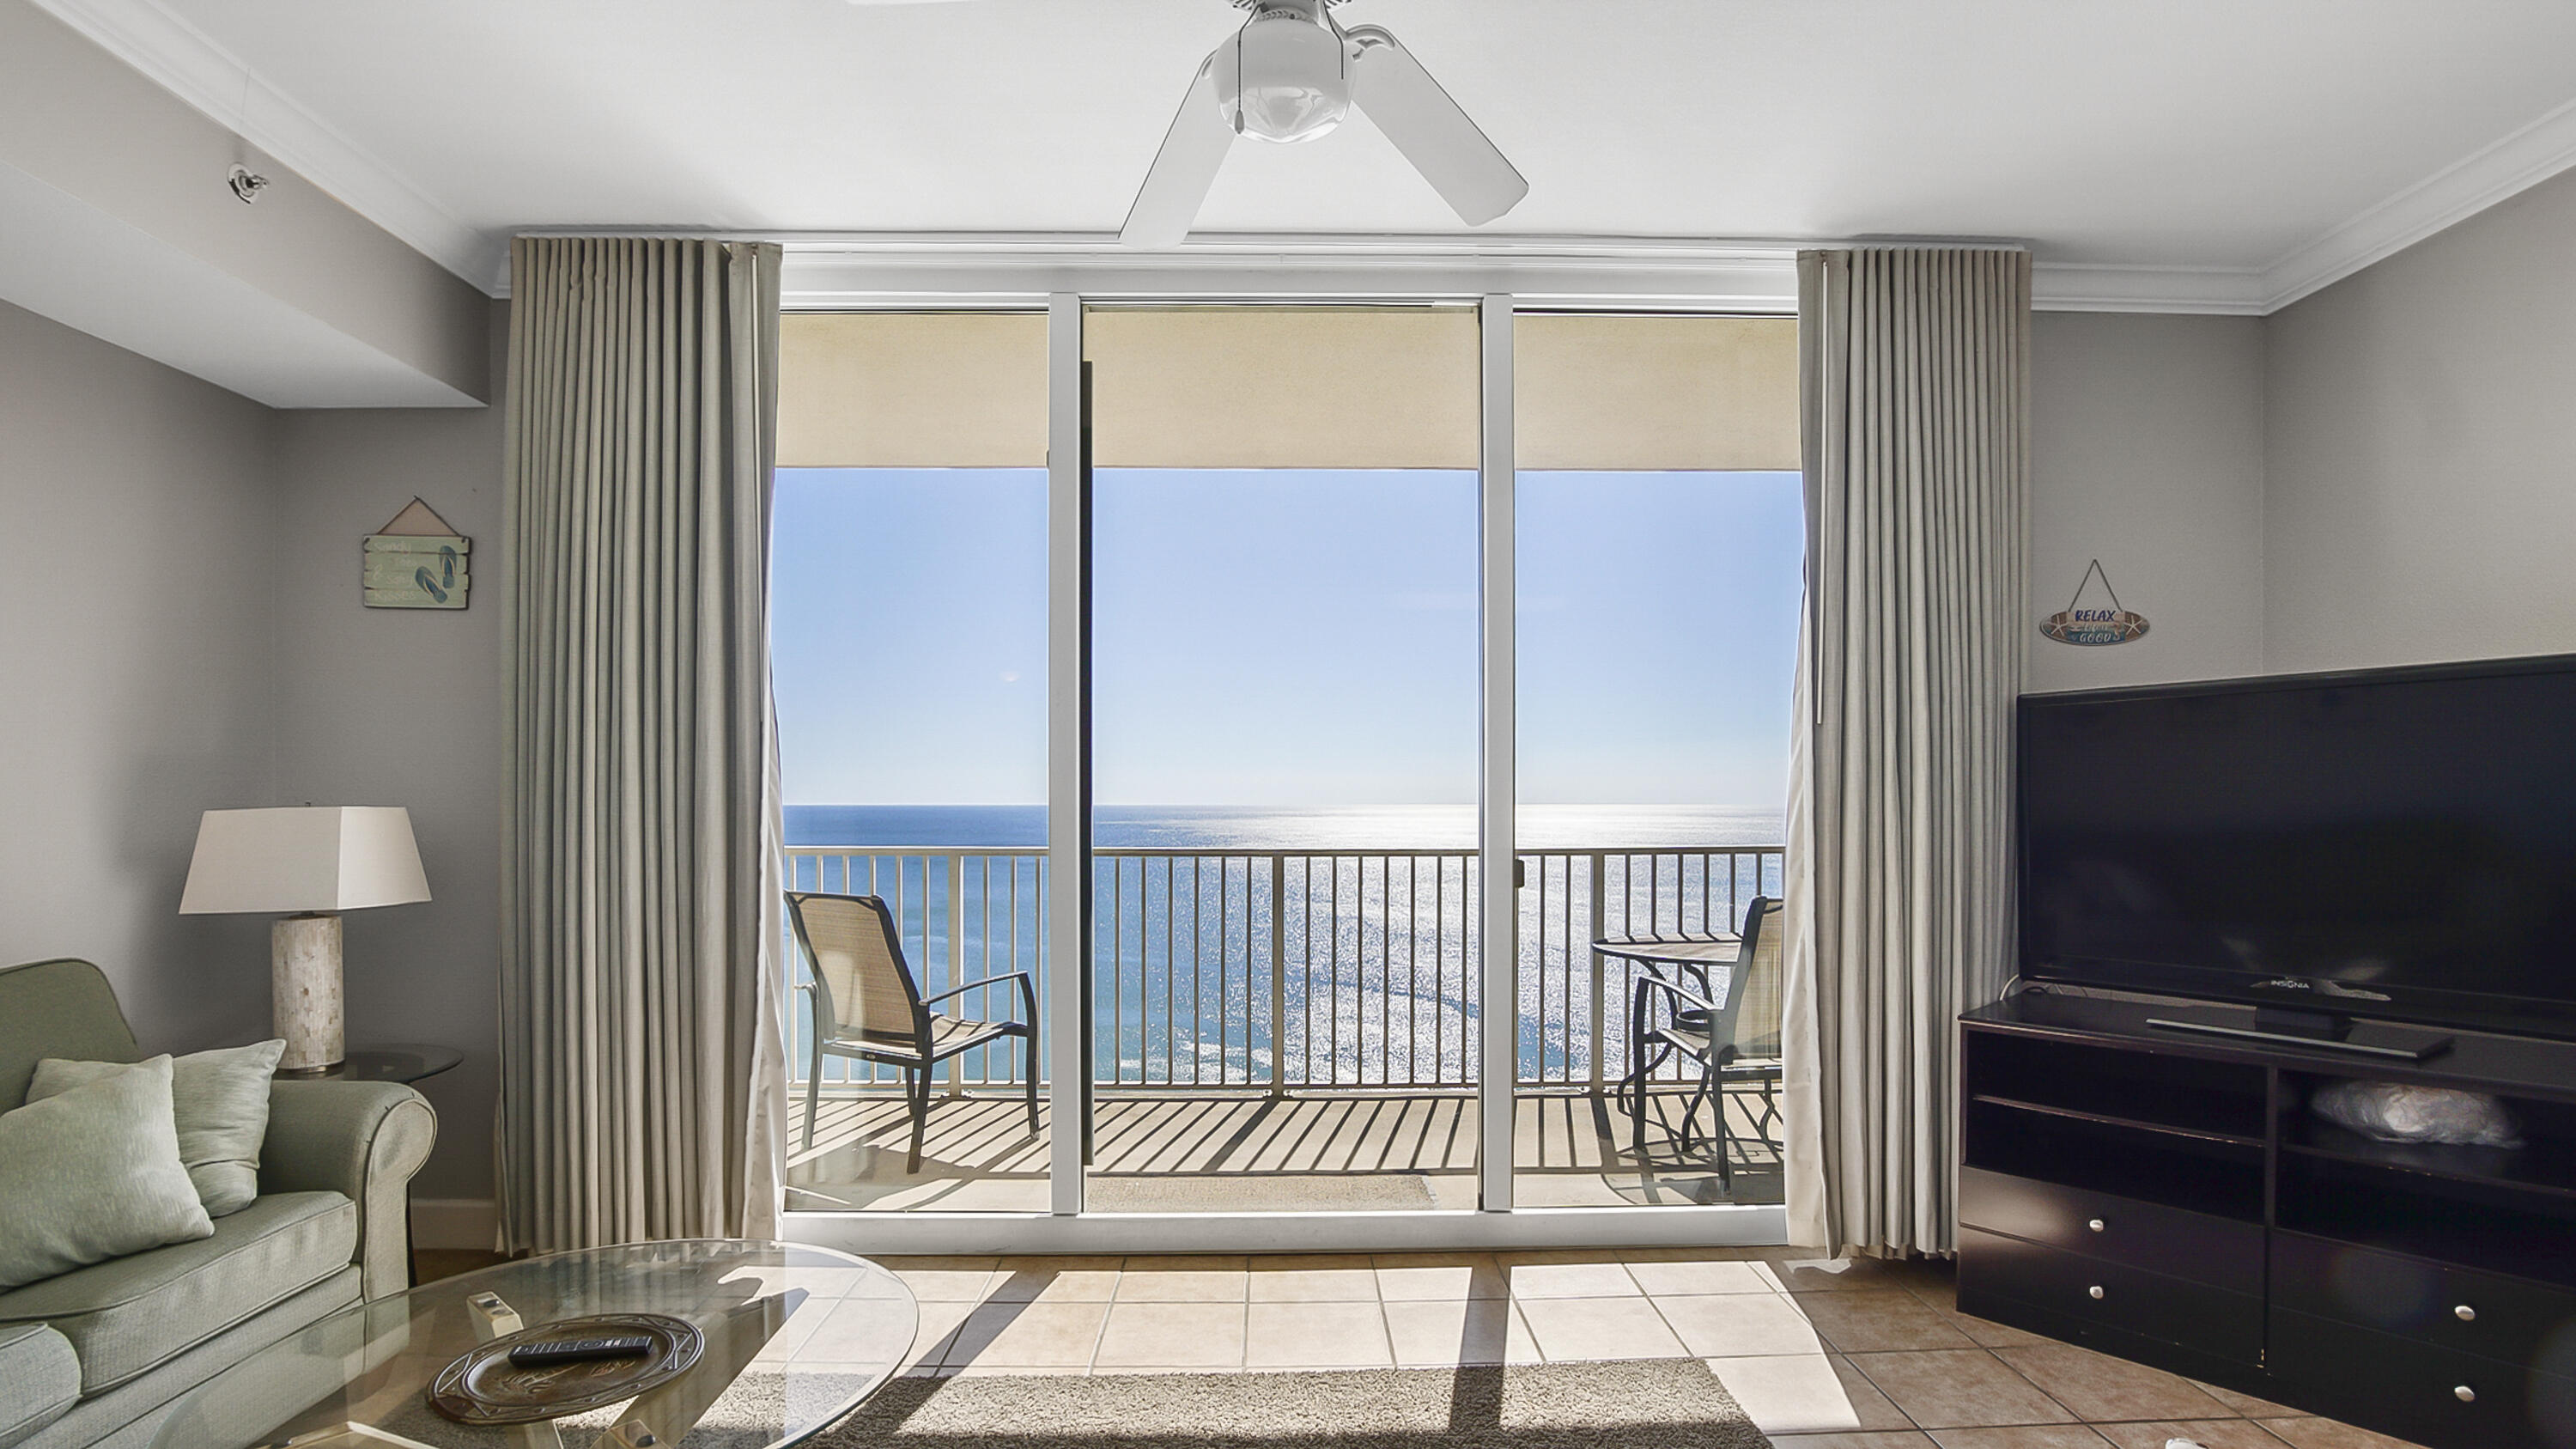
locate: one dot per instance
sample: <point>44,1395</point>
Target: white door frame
<point>1068,753</point>
<point>1066,1228</point>
<point>1497,785</point>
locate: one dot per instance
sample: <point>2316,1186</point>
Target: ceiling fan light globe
<point>1283,79</point>
<point>1290,116</point>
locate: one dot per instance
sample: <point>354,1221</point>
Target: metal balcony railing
<point>1291,970</point>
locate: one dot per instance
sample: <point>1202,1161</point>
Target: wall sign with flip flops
<point>416,562</point>
<point>2080,623</point>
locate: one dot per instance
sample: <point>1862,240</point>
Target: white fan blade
<point>1184,169</point>
<point>1427,126</point>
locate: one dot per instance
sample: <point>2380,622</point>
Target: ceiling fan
<point>1291,74</point>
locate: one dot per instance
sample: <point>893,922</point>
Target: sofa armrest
<point>40,1378</point>
<point>363,1140</point>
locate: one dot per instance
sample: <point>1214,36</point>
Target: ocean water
<point>1237,827</point>
<point>1349,959</point>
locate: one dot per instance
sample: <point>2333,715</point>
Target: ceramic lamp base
<point>304,991</point>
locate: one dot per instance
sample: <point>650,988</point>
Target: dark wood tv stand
<point>2166,1196</point>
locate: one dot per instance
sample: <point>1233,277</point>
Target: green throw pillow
<point>220,1101</point>
<point>94,1173</point>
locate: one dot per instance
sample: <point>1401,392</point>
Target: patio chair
<point>1680,1017</point>
<point>868,1006</point>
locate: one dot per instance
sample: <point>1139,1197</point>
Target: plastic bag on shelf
<point>2398,1112</point>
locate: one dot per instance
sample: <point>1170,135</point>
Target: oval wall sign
<point>2079,624</point>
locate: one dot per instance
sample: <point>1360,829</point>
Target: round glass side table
<point>383,1064</point>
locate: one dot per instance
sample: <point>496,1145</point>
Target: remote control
<point>576,1350</point>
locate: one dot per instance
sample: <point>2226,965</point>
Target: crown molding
<point>187,63</point>
<point>2515,164</point>
<point>2109,287</point>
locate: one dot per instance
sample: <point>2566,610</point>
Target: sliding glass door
<point>1284,697</point>
<point>1232,676</point>
<point>1661,540</point>
<point>909,665</point>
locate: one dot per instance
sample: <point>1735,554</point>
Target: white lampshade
<point>316,858</point>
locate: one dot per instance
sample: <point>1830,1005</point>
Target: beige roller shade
<point>1288,387</point>
<point>1619,393</point>
<point>1283,387</point>
<point>912,390</point>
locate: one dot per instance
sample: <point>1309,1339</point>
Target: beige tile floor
<point>1823,1355</point>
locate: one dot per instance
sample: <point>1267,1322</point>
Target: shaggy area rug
<point>1661,1404</point>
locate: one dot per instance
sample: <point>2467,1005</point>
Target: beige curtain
<point>641,1091</point>
<point>1915,379</point>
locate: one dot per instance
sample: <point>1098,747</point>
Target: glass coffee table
<point>794,1338</point>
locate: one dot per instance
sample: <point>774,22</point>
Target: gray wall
<point>2382,473</point>
<point>403,707</point>
<point>138,517</point>
<point>180,630</point>
<point>2147,453</point>
<point>2421,466</point>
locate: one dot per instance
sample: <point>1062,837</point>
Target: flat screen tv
<point>2397,843</point>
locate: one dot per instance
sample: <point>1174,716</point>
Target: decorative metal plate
<point>484,1387</point>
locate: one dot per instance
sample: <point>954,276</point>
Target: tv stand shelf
<point>2106,1119</point>
<point>2167,1196</point>
<point>2540,1167</point>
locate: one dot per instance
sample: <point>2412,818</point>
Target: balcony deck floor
<point>1242,1152</point>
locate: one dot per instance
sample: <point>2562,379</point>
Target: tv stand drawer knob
<point>2095,1290</point>
<point>2465,1313</point>
<point>2465,1394</point>
<point>2096,1225</point>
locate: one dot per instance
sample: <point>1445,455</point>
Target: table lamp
<point>311,863</point>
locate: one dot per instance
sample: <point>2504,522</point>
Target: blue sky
<point>1285,638</point>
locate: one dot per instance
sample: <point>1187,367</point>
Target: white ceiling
<point>2276,137</point>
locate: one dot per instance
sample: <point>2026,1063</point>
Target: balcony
<point>1285,1030</point>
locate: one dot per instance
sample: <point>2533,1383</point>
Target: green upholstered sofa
<point>95,1356</point>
